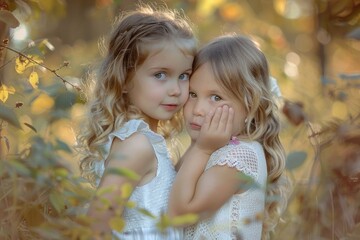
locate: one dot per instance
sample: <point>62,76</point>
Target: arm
<point>135,154</point>
<point>196,191</point>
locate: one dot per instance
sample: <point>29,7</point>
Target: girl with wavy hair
<point>134,106</point>
<point>232,175</point>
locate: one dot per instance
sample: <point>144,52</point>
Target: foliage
<point>312,55</point>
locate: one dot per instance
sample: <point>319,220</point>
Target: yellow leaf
<point>35,61</point>
<point>5,91</point>
<point>34,79</point>
<point>126,190</point>
<point>117,224</point>
<point>22,63</point>
<point>42,104</point>
<point>130,204</point>
<point>45,44</point>
<point>185,219</point>
<point>339,110</point>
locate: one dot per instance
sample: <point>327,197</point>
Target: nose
<point>199,108</point>
<point>174,88</point>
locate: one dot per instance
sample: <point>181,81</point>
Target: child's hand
<point>216,130</point>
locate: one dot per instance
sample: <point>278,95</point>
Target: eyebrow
<point>167,69</point>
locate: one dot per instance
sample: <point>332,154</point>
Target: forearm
<point>103,208</point>
<point>183,194</point>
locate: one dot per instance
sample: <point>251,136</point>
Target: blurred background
<point>313,50</point>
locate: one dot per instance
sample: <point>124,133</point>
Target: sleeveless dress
<point>238,217</point>
<point>153,196</point>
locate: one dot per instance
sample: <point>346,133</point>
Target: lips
<point>170,107</point>
<point>195,126</point>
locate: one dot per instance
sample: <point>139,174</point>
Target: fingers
<point>207,121</point>
<point>222,119</point>
<point>216,119</point>
<point>230,121</point>
<point>219,120</point>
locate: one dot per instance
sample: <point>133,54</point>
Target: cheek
<point>154,92</point>
<point>239,121</point>
<point>187,110</point>
<point>184,92</point>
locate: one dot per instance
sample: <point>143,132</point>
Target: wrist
<point>201,150</point>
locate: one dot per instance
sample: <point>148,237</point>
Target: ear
<point>125,90</point>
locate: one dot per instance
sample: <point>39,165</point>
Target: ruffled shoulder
<point>133,126</point>
<point>241,156</point>
<point>129,128</point>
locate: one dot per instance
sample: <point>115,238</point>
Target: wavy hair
<point>242,70</point>
<point>129,44</point>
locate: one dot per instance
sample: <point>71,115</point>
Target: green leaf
<point>295,159</point>
<point>104,190</point>
<point>146,212</point>
<point>57,201</point>
<point>124,172</point>
<point>31,127</point>
<point>65,100</point>
<point>20,168</point>
<point>62,146</point>
<point>61,172</point>
<point>9,116</point>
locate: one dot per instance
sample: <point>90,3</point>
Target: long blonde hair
<point>129,44</point>
<point>242,70</point>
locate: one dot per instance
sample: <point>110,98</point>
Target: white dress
<point>237,218</point>
<point>153,196</point>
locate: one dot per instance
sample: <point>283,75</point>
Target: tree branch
<point>54,71</point>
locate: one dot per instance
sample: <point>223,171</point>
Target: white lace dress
<point>236,219</point>
<point>152,196</point>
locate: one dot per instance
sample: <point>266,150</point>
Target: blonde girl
<point>232,175</point>
<point>133,108</point>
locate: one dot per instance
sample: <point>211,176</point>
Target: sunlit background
<point>307,55</point>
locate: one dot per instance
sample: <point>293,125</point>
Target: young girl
<point>230,82</point>
<point>134,106</point>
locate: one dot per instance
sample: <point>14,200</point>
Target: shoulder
<point>135,153</point>
<point>244,157</point>
<point>236,152</point>
<point>137,144</point>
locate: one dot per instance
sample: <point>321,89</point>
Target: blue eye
<point>215,98</point>
<point>160,75</point>
<point>184,77</point>
<point>192,95</point>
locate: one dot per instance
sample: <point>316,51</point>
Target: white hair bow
<point>274,87</point>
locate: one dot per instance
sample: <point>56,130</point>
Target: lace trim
<point>235,210</point>
<point>240,156</point>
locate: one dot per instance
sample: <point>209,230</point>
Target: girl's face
<point>206,94</point>
<point>160,85</point>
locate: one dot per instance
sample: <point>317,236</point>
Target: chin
<point>193,137</point>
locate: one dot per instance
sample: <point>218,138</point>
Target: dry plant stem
<point>4,65</point>
<point>316,157</point>
<point>4,33</point>
<point>332,215</point>
<point>42,65</point>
